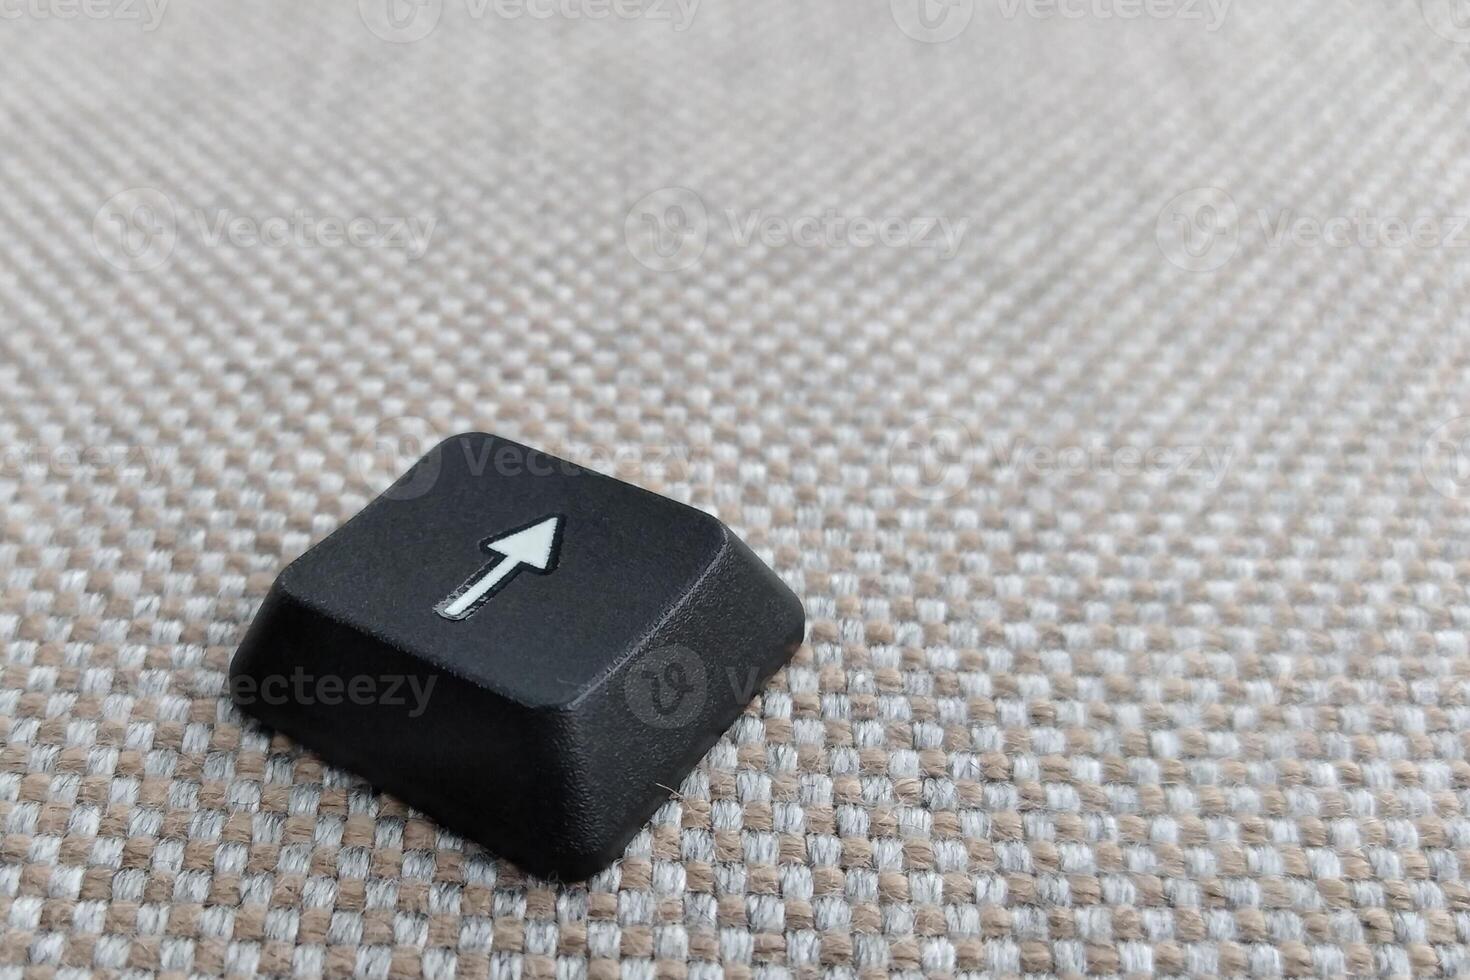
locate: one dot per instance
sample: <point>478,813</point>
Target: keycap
<point>532,653</point>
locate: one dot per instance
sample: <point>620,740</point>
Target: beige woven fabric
<point>1098,382</point>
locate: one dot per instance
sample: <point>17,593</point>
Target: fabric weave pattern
<point>1098,382</point>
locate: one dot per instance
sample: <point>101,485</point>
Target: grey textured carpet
<point>1099,382</point>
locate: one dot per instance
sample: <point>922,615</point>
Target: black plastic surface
<point>550,716</point>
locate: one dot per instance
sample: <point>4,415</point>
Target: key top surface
<point>569,645</point>
<point>624,554</point>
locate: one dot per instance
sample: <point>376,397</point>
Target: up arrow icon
<point>535,546</point>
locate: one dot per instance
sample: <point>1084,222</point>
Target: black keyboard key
<point>533,653</point>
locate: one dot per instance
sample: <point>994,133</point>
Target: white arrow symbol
<point>532,546</point>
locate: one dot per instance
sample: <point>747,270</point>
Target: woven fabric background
<point>1129,512</point>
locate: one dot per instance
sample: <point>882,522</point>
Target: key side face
<point>621,559</point>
